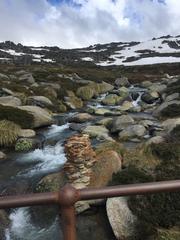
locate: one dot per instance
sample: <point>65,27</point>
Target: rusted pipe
<point>29,200</point>
<point>129,189</point>
<point>68,222</point>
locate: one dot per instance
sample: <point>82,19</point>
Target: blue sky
<point>79,23</point>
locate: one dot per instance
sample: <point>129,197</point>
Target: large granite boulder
<point>168,109</point>
<point>122,82</point>
<point>72,101</point>
<point>81,118</point>
<point>10,101</point>
<point>120,122</point>
<point>41,116</point>
<point>111,99</point>
<point>40,101</point>
<point>121,219</point>
<point>133,131</point>
<point>99,132</point>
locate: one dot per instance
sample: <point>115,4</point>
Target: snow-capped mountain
<point>165,49</point>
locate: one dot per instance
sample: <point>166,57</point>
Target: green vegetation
<point>23,145</point>
<point>18,116</point>
<point>8,133</point>
<point>106,146</point>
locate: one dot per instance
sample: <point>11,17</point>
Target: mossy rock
<point>86,93</point>
<point>109,145</point>
<point>62,107</point>
<point>23,145</point>
<point>18,116</point>
<point>168,234</point>
<point>9,132</point>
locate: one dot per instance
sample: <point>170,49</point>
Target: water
<point>22,227</point>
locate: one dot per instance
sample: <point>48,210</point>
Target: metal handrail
<point>68,196</point>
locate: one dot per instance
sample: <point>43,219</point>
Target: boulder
<point>172,97</point>
<point>41,116</point>
<point>2,156</point>
<point>96,131</point>
<point>10,101</point>
<point>108,163</point>
<point>40,101</point>
<point>104,87</point>
<point>147,123</point>
<point>27,78</point>
<point>5,92</point>
<point>168,109</point>
<point>72,101</point>
<point>86,92</point>
<point>146,84</point>
<point>155,140</point>
<point>172,126</point>
<point>123,91</point>
<point>4,77</point>
<point>111,99</point>
<point>158,87</point>
<point>101,111</point>
<point>121,219</point>
<point>119,123</point>
<point>105,122</point>
<point>126,106</point>
<point>134,96</point>
<point>149,97</point>
<point>122,82</point>
<point>132,131</point>
<point>81,118</point>
<point>27,133</point>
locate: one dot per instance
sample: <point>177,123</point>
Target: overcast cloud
<point>79,23</point>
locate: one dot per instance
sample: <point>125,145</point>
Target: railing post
<point>68,222</point>
<point>67,198</point>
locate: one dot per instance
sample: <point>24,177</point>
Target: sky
<point>80,23</point>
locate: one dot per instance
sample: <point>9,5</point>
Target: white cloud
<point>33,22</point>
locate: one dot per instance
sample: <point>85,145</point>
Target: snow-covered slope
<point>165,49</point>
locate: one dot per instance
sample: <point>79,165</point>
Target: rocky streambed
<point>112,134</point>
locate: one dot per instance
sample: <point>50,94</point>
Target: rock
<point>155,140</point>
<point>123,91</point>
<point>81,118</point>
<point>122,82</point>
<point>73,102</point>
<point>146,123</point>
<point>158,87</point>
<point>40,101</point>
<point>41,116</point>
<point>86,93</point>
<point>149,97</point>
<point>171,124</point>
<point>96,131</point>
<point>10,101</point>
<point>27,133</point>
<point>78,168</point>
<point>79,127</point>
<point>168,234</point>
<point>172,97</point>
<point>105,122</point>
<point>51,183</point>
<point>108,163</point>
<point>4,77</point>
<point>101,111</point>
<point>168,109</point>
<point>111,99</point>
<point>146,84</point>
<point>5,92</point>
<point>132,131</point>
<point>62,107</point>
<point>121,219</point>
<point>126,106</point>
<point>27,78</point>
<point>2,156</point>
<point>93,89</point>
<point>119,123</point>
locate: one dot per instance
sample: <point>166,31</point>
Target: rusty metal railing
<point>68,196</point>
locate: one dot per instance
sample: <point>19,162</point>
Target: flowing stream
<point>29,168</point>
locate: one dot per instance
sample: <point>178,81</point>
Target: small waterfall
<point>55,130</point>
<point>136,102</point>
<point>22,228</point>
